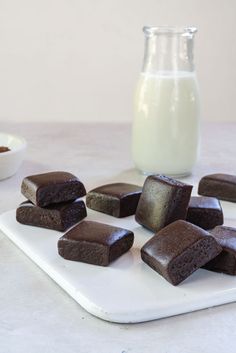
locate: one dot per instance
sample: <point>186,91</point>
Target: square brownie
<point>205,212</point>
<point>163,201</point>
<point>117,199</point>
<point>221,186</point>
<point>53,187</point>
<point>178,250</point>
<point>60,216</point>
<point>225,262</point>
<point>95,243</point>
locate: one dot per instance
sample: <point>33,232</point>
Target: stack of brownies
<point>52,201</point>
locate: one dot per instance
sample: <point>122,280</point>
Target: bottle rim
<point>169,30</point>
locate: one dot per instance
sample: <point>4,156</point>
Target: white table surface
<point>38,316</point>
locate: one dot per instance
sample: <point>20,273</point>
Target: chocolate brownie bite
<point>221,186</point>
<point>59,216</point>
<point>53,187</point>
<point>178,250</point>
<point>225,262</point>
<point>163,201</point>
<point>95,243</point>
<point>117,199</point>
<point>205,212</point>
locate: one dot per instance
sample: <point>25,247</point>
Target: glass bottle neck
<point>168,51</point>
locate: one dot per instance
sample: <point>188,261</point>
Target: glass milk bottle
<point>166,113</point>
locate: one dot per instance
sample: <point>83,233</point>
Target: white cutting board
<point>128,290</point>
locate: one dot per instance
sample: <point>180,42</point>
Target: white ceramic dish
<point>128,290</point>
<point>10,161</point>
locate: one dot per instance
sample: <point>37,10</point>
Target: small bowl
<point>10,161</point>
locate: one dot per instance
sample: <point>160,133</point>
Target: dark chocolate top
<point>117,190</point>
<point>204,202</point>
<point>225,236</point>
<point>96,232</point>
<point>47,179</point>
<point>226,178</point>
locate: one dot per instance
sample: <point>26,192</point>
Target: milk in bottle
<point>166,105</point>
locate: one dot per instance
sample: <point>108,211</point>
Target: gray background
<point>80,60</point>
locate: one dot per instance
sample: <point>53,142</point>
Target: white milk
<point>166,123</point>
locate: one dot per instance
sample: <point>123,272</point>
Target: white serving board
<point>128,290</point>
